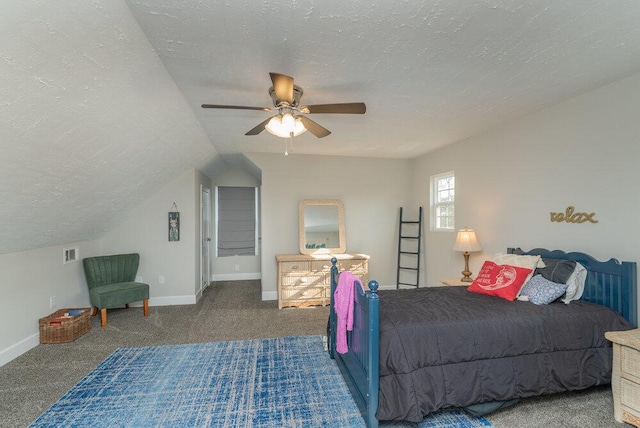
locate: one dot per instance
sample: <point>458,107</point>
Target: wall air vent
<point>69,255</point>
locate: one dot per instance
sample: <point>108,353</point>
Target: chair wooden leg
<point>103,317</point>
<point>126,305</point>
<point>146,307</point>
<point>95,311</point>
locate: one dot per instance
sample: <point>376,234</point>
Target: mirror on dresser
<point>305,279</point>
<point>321,226</point>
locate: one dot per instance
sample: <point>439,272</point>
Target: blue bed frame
<point>612,284</point>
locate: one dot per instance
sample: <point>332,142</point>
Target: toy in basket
<point>65,325</point>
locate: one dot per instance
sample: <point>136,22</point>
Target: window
<point>443,196</point>
<point>236,221</point>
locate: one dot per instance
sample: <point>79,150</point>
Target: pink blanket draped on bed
<point>343,306</point>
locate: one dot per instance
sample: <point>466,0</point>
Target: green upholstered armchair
<point>111,282</point>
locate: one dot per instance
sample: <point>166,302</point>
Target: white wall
<point>29,279</point>
<point>224,268</point>
<point>584,152</point>
<point>144,230</point>
<point>372,191</point>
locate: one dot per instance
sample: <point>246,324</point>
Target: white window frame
<point>443,208</point>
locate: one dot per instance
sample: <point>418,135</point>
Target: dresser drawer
<point>630,394</point>
<point>321,266</point>
<point>305,279</point>
<point>322,269</point>
<point>303,293</point>
<point>630,361</point>
<point>297,266</point>
<point>355,266</point>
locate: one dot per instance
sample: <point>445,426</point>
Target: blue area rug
<point>281,382</point>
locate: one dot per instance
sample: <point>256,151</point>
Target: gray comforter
<point>447,347</point>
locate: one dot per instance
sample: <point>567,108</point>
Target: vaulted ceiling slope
<point>431,72</point>
<point>90,121</point>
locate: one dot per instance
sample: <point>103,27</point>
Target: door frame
<point>205,237</point>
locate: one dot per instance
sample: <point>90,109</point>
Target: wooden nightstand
<point>454,282</point>
<point>625,376</point>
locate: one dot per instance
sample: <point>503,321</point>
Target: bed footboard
<point>360,365</point>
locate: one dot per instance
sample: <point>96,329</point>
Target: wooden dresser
<point>305,280</point>
<point>625,378</point>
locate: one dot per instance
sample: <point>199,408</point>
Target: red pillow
<point>499,280</point>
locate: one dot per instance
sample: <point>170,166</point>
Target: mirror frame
<point>341,228</point>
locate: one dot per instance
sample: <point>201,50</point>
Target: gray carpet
<point>228,311</point>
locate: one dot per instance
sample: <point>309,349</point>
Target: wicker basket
<point>56,328</point>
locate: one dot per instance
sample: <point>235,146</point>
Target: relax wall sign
<point>570,216</point>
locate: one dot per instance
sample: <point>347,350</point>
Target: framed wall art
<point>174,224</point>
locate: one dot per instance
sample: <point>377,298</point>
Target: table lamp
<point>466,242</point>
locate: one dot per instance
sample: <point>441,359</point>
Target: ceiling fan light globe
<point>288,121</point>
<point>298,127</point>
<point>274,124</point>
<point>283,125</point>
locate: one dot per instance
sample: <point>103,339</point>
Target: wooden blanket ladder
<point>409,243</point>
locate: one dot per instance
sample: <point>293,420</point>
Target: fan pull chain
<point>291,141</point>
<point>288,142</point>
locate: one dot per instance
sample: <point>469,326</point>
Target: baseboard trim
<point>32,341</point>
<point>236,276</point>
<point>14,351</point>
<point>172,300</point>
<point>167,301</point>
<point>269,295</point>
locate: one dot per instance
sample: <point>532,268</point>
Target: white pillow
<point>529,262</point>
<point>575,284</point>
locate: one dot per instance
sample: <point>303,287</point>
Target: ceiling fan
<point>290,122</point>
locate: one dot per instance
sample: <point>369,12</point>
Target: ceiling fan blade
<point>258,129</point>
<point>314,128</point>
<point>283,86</point>
<point>347,108</point>
<point>235,107</point>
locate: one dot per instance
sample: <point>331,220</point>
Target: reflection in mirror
<point>321,226</point>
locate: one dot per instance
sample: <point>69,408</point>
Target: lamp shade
<point>466,241</point>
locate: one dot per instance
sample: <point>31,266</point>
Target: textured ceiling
<point>100,100</point>
<point>431,72</point>
<point>90,122</point>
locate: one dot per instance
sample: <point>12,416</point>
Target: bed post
<point>373,372</point>
<point>630,276</point>
<point>331,334</point>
